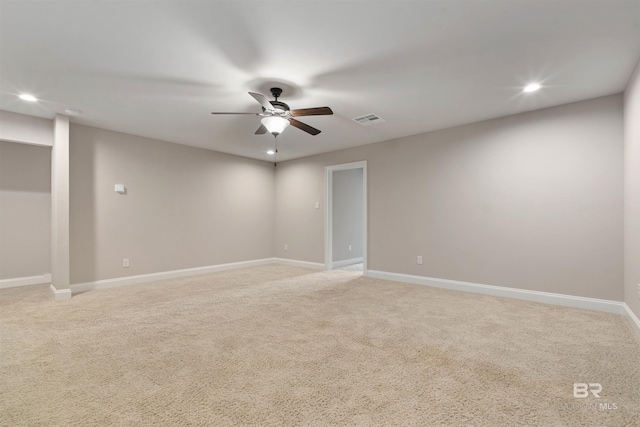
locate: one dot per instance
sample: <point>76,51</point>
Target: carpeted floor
<point>276,345</point>
<point>353,267</point>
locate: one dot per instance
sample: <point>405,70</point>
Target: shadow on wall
<point>82,220</point>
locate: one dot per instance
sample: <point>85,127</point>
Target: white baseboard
<point>631,317</point>
<point>499,291</point>
<point>296,263</point>
<point>344,263</point>
<point>60,294</point>
<point>164,275</point>
<point>25,281</point>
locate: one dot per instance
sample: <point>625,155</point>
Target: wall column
<point>60,209</point>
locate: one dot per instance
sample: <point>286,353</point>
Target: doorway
<point>346,216</point>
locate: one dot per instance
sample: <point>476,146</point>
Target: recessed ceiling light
<point>27,97</point>
<point>271,152</point>
<point>532,87</point>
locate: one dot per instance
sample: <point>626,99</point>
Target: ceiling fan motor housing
<point>280,106</point>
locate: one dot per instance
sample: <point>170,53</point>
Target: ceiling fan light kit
<point>275,124</point>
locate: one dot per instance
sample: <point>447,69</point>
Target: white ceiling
<point>158,69</point>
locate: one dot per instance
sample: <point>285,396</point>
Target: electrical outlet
<point>419,260</point>
<point>286,247</point>
<point>125,262</point>
<point>349,247</point>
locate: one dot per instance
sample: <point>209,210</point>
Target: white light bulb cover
<point>275,124</point>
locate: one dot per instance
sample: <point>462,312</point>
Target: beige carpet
<point>353,267</point>
<point>275,345</point>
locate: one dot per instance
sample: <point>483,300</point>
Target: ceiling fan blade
<point>303,126</point>
<point>261,130</point>
<point>319,111</point>
<point>262,100</point>
<point>253,114</point>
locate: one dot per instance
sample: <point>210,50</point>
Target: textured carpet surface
<point>353,267</point>
<point>276,345</point>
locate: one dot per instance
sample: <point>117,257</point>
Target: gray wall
<point>16,127</point>
<point>531,201</point>
<point>185,207</point>
<point>632,192</point>
<point>347,214</point>
<point>25,210</point>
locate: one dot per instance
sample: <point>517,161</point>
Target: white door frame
<point>328,213</point>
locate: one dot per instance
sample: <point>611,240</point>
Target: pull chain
<point>275,154</point>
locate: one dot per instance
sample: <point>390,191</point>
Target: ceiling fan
<point>276,115</point>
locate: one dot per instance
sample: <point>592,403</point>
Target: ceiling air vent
<point>368,119</point>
